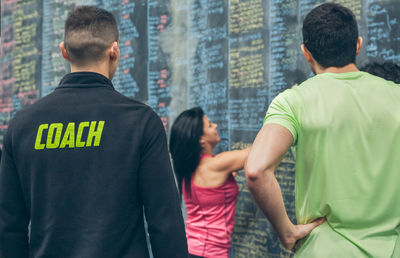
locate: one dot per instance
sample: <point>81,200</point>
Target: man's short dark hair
<point>386,70</point>
<point>330,33</point>
<point>89,31</point>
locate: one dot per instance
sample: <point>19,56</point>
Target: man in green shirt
<point>345,126</point>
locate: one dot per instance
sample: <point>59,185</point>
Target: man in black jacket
<point>83,164</point>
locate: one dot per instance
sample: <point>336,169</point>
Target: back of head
<point>89,31</point>
<point>330,33</point>
<point>184,143</point>
<point>386,70</point>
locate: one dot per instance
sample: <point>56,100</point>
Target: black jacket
<point>81,164</point>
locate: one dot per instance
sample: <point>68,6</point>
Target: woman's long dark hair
<point>184,144</point>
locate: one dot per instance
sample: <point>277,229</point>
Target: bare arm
<point>230,161</point>
<point>269,147</point>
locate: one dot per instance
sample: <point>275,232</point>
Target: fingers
<point>310,226</point>
<point>318,221</point>
<point>306,229</point>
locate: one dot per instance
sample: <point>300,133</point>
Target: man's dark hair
<point>330,33</point>
<point>89,31</point>
<point>386,70</point>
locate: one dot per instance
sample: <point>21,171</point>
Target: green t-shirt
<point>346,130</point>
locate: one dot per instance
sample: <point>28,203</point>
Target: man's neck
<point>101,69</point>
<point>345,69</point>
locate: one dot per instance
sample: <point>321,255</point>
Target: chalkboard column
<point>383,30</point>
<point>6,61</point>
<point>158,71</point>
<point>248,73</point>
<point>248,92</point>
<point>130,77</point>
<point>20,56</point>
<point>54,66</point>
<point>174,42</point>
<point>208,64</point>
<point>285,40</point>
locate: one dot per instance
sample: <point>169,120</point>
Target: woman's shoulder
<point>207,176</point>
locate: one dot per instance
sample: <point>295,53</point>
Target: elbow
<point>257,175</point>
<point>252,173</point>
<point>252,177</point>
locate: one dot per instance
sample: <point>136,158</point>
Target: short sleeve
<point>282,112</point>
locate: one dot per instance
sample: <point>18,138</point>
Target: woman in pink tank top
<point>206,182</point>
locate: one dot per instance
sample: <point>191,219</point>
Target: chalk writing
<point>229,57</point>
<point>383,30</point>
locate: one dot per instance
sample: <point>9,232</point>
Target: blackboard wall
<point>229,57</point>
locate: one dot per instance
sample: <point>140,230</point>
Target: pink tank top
<point>210,218</point>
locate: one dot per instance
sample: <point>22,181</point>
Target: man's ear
<point>359,45</point>
<point>64,51</point>
<point>114,51</point>
<point>307,54</point>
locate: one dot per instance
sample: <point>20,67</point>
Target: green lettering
<point>82,125</point>
<point>38,145</point>
<point>96,134</point>
<point>69,136</point>
<point>57,127</point>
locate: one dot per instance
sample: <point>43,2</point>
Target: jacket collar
<point>84,80</point>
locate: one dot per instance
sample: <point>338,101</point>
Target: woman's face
<point>210,132</point>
